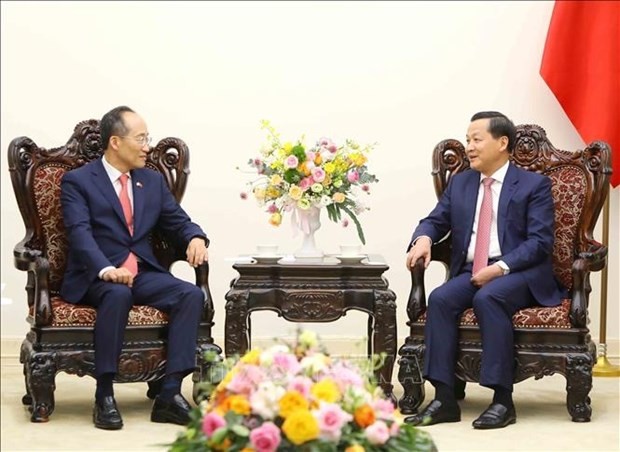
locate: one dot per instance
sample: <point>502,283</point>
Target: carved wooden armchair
<point>61,334</point>
<point>548,340</point>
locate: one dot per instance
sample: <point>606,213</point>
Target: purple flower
<point>243,195</point>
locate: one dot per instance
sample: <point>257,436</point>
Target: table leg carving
<point>236,341</point>
<point>385,337</point>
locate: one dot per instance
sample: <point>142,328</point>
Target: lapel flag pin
<point>139,184</point>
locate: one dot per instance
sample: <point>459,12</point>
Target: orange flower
<point>223,446</point>
<point>364,416</point>
<point>355,448</point>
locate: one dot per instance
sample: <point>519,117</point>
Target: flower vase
<point>308,222</point>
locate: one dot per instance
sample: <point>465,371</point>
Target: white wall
<point>405,75</point>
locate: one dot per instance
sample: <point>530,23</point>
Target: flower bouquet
<point>295,178</point>
<point>295,397</point>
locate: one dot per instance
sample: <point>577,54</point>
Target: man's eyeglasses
<point>142,140</point>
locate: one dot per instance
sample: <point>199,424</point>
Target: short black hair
<point>499,126</point>
<point>112,124</point>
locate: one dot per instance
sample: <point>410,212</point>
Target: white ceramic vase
<point>308,222</point>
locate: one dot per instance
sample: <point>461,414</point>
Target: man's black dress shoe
<point>106,414</point>
<point>175,410</point>
<point>436,413</point>
<point>496,416</point>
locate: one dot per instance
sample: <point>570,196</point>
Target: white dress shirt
<point>496,188</point>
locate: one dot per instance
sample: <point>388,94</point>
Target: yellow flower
<point>247,449</point>
<point>272,192</point>
<point>308,339</point>
<point>358,159</point>
<point>300,427</point>
<point>259,193</point>
<point>275,219</point>
<point>355,448</point>
<point>327,181</point>
<point>240,404</point>
<point>338,197</point>
<point>295,192</point>
<point>329,167</point>
<point>252,357</point>
<point>292,401</point>
<point>276,179</point>
<point>326,390</point>
<point>288,146</point>
<point>303,204</point>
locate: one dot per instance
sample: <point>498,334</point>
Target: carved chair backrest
<point>579,187</point>
<point>36,174</point>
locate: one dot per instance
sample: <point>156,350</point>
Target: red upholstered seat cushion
<point>535,317</point>
<point>76,315</point>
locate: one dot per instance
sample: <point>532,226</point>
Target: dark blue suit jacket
<point>525,224</point>
<point>96,228</point>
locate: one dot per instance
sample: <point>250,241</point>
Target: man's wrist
<point>504,267</point>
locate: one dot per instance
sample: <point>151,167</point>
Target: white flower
<point>314,364</point>
<point>325,201</point>
<point>264,400</point>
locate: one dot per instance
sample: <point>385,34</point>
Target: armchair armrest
<point>32,261</point>
<point>594,258</point>
<point>416,306</point>
<point>168,254</point>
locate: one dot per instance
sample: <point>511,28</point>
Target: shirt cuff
<point>104,270</point>
<point>503,266</point>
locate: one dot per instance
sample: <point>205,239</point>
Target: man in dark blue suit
<point>110,207</point>
<point>501,220</point>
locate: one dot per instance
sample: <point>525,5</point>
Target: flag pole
<point>603,368</point>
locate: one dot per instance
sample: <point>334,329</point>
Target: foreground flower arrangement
<point>293,176</point>
<point>295,397</point>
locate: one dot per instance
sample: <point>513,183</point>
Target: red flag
<point>581,65</point>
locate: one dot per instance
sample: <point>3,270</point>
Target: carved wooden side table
<point>317,292</point>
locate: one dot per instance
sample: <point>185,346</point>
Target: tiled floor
<point>543,422</point>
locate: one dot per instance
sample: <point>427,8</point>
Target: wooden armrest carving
<point>416,306</point>
<point>593,259</point>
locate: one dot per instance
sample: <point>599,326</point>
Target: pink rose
<point>377,433</point>
<point>211,422</point>
<point>246,380</point>
<point>318,174</point>
<point>384,409</point>
<point>301,384</point>
<point>331,418</point>
<point>265,438</point>
<point>291,162</point>
<point>353,176</point>
<point>272,208</point>
<point>287,362</point>
<point>305,183</point>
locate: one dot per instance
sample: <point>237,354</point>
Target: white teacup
<point>350,250</point>
<point>267,250</point>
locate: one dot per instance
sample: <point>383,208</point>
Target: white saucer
<point>350,259</point>
<point>267,259</point>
